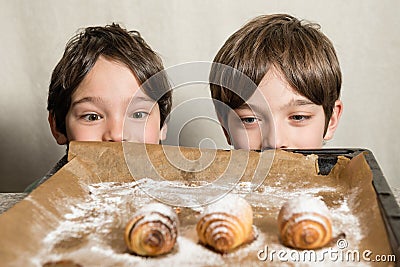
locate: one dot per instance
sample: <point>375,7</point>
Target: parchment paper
<point>79,214</point>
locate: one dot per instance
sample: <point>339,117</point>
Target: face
<point>109,106</point>
<point>276,116</point>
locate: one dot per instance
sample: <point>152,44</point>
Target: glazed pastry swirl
<point>226,224</point>
<point>304,223</point>
<point>152,231</point>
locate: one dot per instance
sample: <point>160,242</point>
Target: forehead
<point>274,91</point>
<point>108,79</point>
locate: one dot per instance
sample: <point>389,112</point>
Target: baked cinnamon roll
<point>226,224</point>
<point>152,231</point>
<point>305,223</point>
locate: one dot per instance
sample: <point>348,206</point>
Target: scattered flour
<point>92,231</point>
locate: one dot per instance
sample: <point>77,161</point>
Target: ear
<point>163,132</point>
<point>60,137</point>
<point>334,121</point>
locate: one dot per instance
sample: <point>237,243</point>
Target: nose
<point>280,141</point>
<point>114,131</point>
<point>275,138</point>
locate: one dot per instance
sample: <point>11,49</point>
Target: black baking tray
<point>389,208</point>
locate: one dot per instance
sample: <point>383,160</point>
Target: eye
<point>91,117</point>
<point>299,118</point>
<point>139,115</point>
<point>249,120</point>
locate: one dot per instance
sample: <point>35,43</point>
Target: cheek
<point>79,132</point>
<point>254,136</point>
<point>152,128</point>
<point>309,142</point>
<point>135,131</point>
<point>311,137</point>
<point>74,133</point>
<point>246,139</point>
<point>152,132</point>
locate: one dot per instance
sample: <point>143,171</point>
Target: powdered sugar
<point>94,227</point>
<point>232,204</point>
<point>304,204</point>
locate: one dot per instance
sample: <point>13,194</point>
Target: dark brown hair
<point>299,50</point>
<point>115,43</point>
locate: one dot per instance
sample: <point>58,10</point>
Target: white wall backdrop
<point>366,34</point>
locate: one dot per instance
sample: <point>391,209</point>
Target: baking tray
<point>388,205</point>
<point>94,167</point>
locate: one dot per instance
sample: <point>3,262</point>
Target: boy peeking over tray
<point>276,83</point>
<point>100,91</point>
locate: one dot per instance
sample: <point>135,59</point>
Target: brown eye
<point>299,117</point>
<point>92,117</point>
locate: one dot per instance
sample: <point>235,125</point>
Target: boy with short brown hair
<point>108,86</point>
<point>276,84</point>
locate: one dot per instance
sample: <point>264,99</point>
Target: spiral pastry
<point>152,231</point>
<point>226,224</point>
<point>305,223</point>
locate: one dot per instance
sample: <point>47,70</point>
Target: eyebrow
<point>253,108</point>
<point>89,99</point>
<point>95,99</point>
<point>142,98</point>
<point>298,103</point>
<point>292,103</point>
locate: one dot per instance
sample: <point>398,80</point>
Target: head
<point>102,76</point>
<point>293,68</point>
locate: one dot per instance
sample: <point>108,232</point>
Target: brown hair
<point>111,42</point>
<point>299,50</point>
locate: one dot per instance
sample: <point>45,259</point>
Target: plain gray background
<point>366,35</point>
